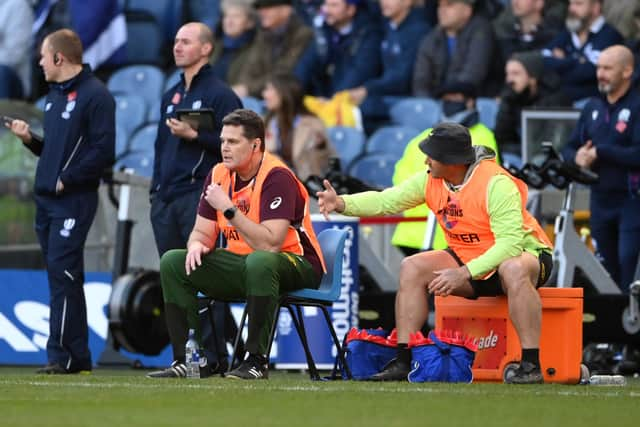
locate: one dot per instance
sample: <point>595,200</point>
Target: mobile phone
<point>7,119</point>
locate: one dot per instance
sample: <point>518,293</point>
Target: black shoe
<point>214,368</point>
<point>57,369</point>
<point>176,370</point>
<point>251,369</point>
<point>525,373</point>
<point>395,370</point>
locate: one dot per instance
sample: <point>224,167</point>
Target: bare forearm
<point>199,236</point>
<point>258,236</point>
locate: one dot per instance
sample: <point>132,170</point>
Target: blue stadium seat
<point>253,104</point>
<point>172,79</point>
<point>418,113</point>
<point>146,81</point>
<point>122,141</point>
<point>131,112</point>
<point>168,14</point>
<point>348,142</point>
<point>391,140</point>
<point>40,103</point>
<point>374,169</point>
<point>141,163</point>
<point>144,40</point>
<point>143,140</point>
<point>488,110</point>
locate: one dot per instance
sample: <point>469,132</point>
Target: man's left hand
<point>181,129</point>
<point>449,281</point>
<point>217,197</point>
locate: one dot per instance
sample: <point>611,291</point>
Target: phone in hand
<point>7,120</point>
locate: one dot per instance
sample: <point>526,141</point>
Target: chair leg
<point>236,342</point>
<point>302,333</point>
<point>336,341</point>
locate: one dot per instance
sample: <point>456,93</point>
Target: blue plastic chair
<point>418,113</point>
<point>172,79</point>
<point>332,242</point>
<point>488,110</point>
<point>143,140</point>
<point>349,144</point>
<point>131,112</point>
<point>140,162</point>
<point>146,81</point>
<point>144,41</point>
<point>254,104</point>
<point>391,140</point>
<point>122,141</point>
<point>375,169</point>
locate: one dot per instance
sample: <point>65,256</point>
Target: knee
<point>172,263</point>
<point>410,274</point>
<point>261,261</point>
<point>514,274</point>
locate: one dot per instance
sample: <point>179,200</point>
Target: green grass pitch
<point>114,398</point>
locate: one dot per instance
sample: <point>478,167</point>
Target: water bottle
<point>191,356</point>
<point>617,380</point>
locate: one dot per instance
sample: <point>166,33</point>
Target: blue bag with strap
<point>444,357</point>
<point>368,351</point>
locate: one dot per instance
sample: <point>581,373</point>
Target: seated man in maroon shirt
<point>255,204</point>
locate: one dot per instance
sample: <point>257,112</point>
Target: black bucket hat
<point>449,143</point>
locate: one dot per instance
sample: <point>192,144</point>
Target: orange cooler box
<point>487,319</point>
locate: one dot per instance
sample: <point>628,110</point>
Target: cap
<point>449,143</point>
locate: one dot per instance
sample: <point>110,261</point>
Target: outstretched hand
<point>194,256</point>
<point>328,200</point>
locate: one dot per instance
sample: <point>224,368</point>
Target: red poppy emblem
<point>72,96</point>
<point>621,126</point>
<point>176,98</point>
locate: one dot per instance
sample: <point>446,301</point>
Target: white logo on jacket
<point>196,104</point>
<point>68,225</point>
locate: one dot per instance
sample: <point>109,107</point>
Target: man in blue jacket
<point>185,155</point>
<point>574,53</point>
<point>607,140</point>
<point>79,143</point>
<point>346,48</point>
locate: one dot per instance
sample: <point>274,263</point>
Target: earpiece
<point>56,59</point>
<point>254,146</point>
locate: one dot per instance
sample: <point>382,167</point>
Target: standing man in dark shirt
<point>607,140</point>
<point>79,143</point>
<point>260,207</point>
<point>184,155</point>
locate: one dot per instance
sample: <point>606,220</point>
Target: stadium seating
<point>146,81</point>
<point>418,113</point>
<point>141,163</point>
<point>332,243</point>
<point>131,112</point>
<point>144,39</point>
<point>488,110</point>
<point>375,169</point>
<point>253,104</point>
<point>172,79</point>
<point>391,140</point>
<point>143,139</point>
<point>349,143</point>
<point>122,141</point>
<point>167,13</point>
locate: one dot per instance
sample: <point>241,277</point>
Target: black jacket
<point>181,166</point>
<point>79,135</point>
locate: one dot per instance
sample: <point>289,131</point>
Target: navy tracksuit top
<point>181,166</point>
<point>79,135</point>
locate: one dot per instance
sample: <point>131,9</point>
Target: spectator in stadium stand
<point>346,48</point>
<point>280,42</point>
<point>16,20</point>
<point>262,209</point>
<point>573,53</point>
<point>525,87</point>
<point>297,136</point>
<point>403,27</point>
<point>606,139</point>
<point>461,48</point>
<point>184,155</point>
<point>495,246</point>
<point>78,145</point>
<point>459,106</point>
<point>231,47</point>
<point>526,28</point>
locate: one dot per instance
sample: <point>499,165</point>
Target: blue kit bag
<point>368,351</point>
<point>444,356</point>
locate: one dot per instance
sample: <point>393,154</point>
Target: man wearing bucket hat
<point>495,246</point>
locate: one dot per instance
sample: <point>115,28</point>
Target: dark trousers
<point>62,225</point>
<point>172,223</point>
<point>615,227</point>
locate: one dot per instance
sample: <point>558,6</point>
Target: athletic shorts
<point>492,286</point>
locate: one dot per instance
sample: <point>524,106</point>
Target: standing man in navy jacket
<point>79,143</point>
<point>184,156</point>
<point>607,140</point>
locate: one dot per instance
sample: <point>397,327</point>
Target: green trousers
<point>259,278</point>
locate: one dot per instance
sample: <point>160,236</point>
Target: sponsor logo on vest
<point>490,341</point>
<point>230,233</point>
<point>452,209</point>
